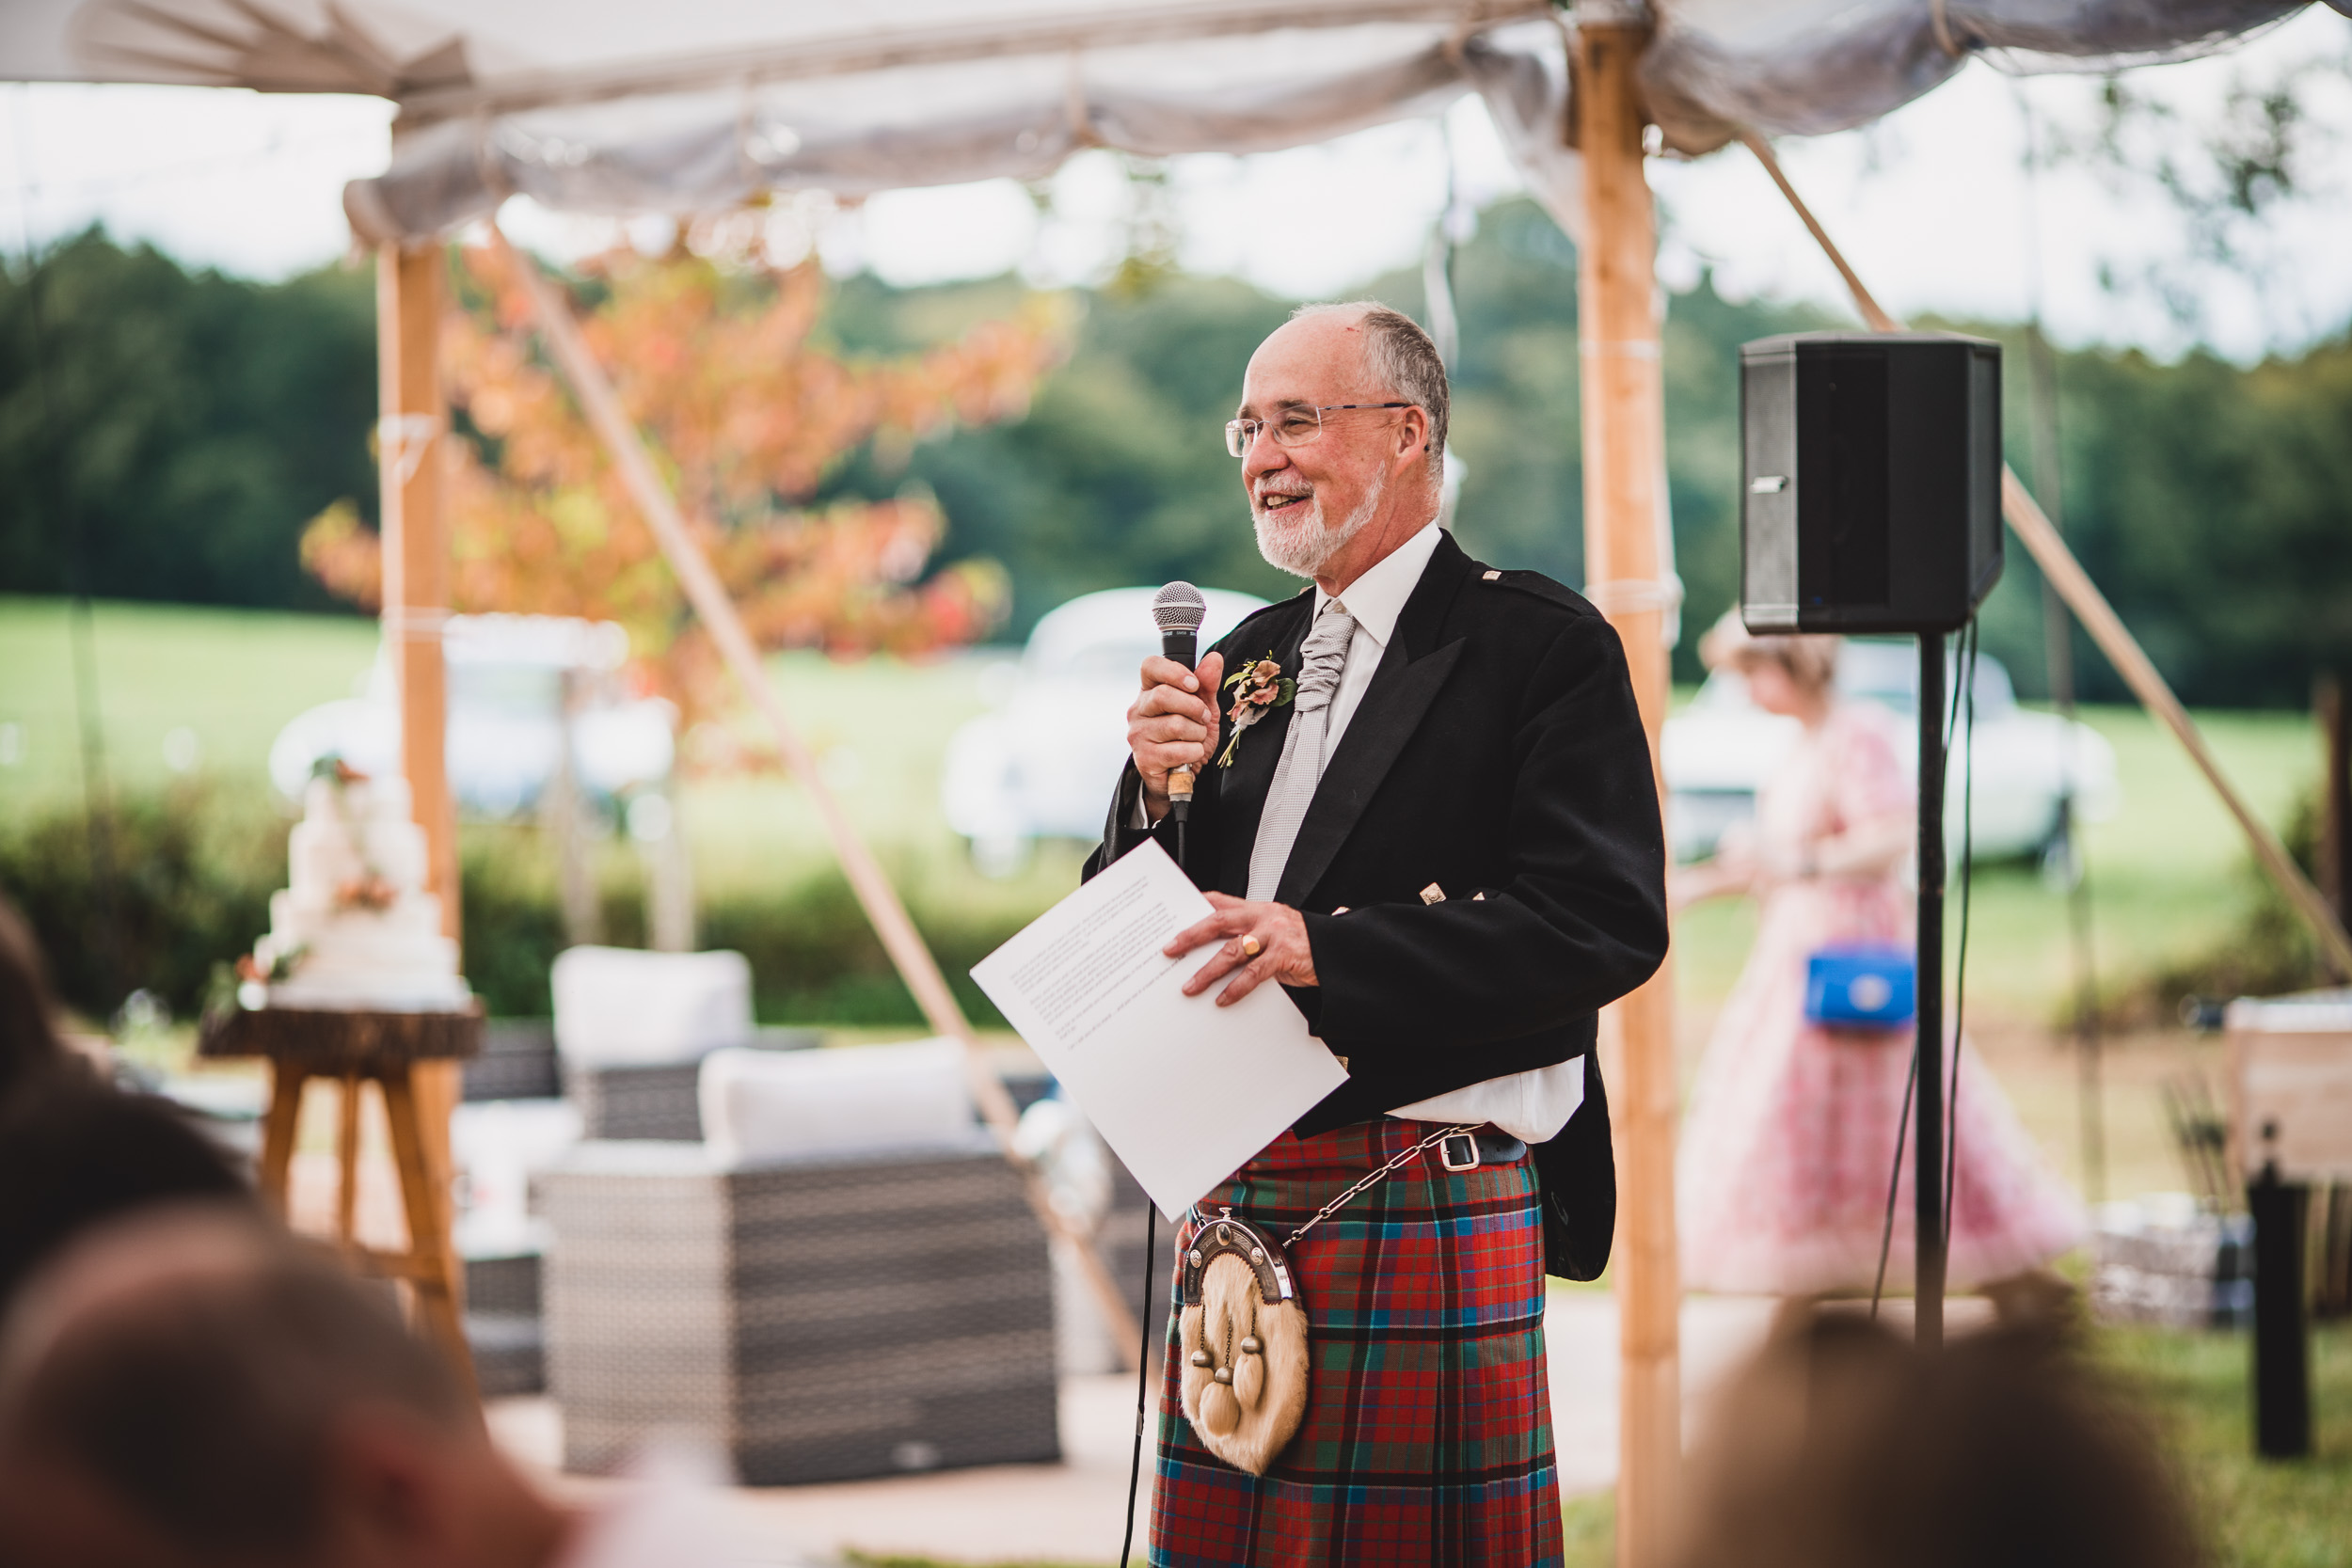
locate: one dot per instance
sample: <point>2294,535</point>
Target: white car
<point>1720,748</point>
<point>505,717</point>
<point>1042,764</point>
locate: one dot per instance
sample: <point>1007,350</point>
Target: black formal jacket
<point>1498,756</point>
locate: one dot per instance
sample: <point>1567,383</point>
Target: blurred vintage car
<point>1043,764</point>
<point>1720,748</point>
<point>507,677</point>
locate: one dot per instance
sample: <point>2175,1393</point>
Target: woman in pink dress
<point>1790,1135</point>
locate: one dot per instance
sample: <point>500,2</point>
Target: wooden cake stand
<point>351,1048</point>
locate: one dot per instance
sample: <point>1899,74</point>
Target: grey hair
<point>1401,356</point>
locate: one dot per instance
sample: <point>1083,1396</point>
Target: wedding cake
<point>356,928</point>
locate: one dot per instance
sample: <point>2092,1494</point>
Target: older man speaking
<point>1425,808</point>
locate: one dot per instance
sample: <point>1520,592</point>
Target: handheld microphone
<point>1178,610</point>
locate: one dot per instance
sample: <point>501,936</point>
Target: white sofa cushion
<point>761,1106</point>
<point>618,1007</point>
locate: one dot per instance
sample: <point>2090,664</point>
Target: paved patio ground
<point>1070,1512</point>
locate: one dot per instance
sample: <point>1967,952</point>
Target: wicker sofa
<point>818,1320</point>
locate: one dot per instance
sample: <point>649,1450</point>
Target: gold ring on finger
<point>1251,947</point>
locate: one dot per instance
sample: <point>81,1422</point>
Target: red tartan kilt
<point>1428,1430</point>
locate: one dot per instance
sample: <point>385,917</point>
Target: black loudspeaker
<point>1872,496</point>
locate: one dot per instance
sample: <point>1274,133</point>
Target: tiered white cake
<point>356,928</point>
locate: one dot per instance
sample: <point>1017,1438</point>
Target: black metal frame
<point>1928,1104</point>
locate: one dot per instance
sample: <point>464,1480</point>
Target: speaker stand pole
<point>1927,1137</point>
<point>2282,1373</point>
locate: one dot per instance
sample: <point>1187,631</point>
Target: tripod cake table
<point>352,1047</point>
<point>356,982</point>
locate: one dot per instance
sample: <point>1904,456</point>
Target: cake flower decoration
<point>1257,687</point>
<point>281,966</point>
<point>370,889</point>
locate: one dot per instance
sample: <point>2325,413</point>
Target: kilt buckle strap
<point>1464,1134</point>
<point>1458,1151</point>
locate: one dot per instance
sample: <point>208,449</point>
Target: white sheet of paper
<point>1183,1090</point>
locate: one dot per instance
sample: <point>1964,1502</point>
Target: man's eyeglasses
<point>1293,427</point>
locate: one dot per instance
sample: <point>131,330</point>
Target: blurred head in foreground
<point>75,1153</point>
<point>185,1388</point>
<point>30,1049</point>
<point>1844,1447</point>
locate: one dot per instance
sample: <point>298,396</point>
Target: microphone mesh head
<point>1179,607</point>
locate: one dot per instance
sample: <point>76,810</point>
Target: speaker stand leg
<point>2283,1375</point>
<point>1927,1137</point>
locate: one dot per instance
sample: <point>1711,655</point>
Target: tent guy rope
<point>880,900</point>
<point>2066,575</point>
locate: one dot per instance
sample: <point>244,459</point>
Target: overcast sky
<point>1935,204</point>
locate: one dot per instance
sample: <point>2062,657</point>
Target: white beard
<point>1297,543</point>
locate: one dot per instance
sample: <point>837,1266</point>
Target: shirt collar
<point>1377,598</point>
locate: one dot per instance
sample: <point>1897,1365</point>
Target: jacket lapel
<point>1241,789</point>
<point>1412,674</point>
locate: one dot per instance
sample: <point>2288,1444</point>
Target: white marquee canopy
<point>690,105</point>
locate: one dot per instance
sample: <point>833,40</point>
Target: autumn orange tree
<point>747,411</point>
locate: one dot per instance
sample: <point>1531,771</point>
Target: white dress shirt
<point>1528,1106</point>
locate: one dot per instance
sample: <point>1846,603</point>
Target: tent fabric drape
<point>1798,67</point>
<point>1807,67</point>
<point>606,105</point>
<point>946,125</point>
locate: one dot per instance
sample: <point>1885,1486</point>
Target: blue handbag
<point>1861,985</point>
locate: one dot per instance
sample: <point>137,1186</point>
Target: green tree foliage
<point>193,868</point>
<point>1118,474</point>
<point>190,424</point>
<point>204,421</point>
<point>2213,506</point>
<point>1518,412</point>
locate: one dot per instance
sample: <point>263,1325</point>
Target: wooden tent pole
<point>2066,575</point>
<point>880,900</point>
<point>1624,438</point>
<point>409,291</point>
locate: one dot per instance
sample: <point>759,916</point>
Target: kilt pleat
<point>1427,1437</point>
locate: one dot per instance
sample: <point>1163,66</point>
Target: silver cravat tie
<point>1301,767</point>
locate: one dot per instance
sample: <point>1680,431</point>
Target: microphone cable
<point>1143,1367</point>
<point>1967,878</point>
<point>1964,694</point>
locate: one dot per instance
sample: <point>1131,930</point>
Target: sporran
<point>1244,1330</point>
<point>1244,1339</point>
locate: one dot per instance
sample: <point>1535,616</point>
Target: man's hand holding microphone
<point>1172,732</point>
<point>1173,724</point>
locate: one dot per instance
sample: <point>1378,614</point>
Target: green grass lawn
<point>2261,1514</point>
<point>231,677</point>
<point>2166,870</point>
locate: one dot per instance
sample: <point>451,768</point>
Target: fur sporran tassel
<point>1243,1336</point>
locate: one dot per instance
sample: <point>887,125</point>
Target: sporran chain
<point>1372,1180</point>
<point>1376,1179</point>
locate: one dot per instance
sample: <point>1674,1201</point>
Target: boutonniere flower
<point>1257,687</point>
